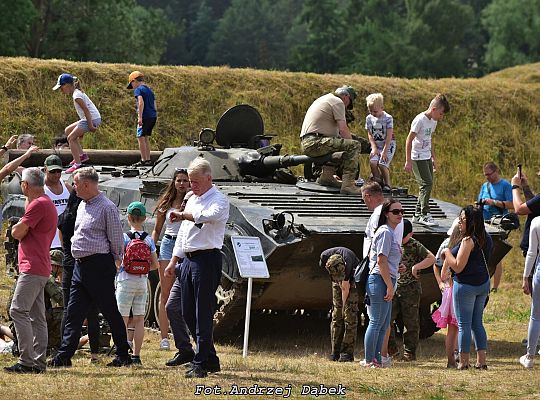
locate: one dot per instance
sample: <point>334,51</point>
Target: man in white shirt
<point>199,241</point>
<point>56,189</point>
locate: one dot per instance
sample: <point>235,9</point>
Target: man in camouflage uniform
<point>406,300</point>
<point>54,301</point>
<point>325,131</point>
<point>340,263</point>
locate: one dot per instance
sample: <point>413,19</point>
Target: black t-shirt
<point>534,206</point>
<point>351,261</point>
<point>66,224</point>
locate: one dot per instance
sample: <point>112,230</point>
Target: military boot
<point>327,177</point>
<point>348,186</point>
<point>346,357</point>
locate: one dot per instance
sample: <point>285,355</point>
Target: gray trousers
<point>178,325</point>
<point>28,313</point>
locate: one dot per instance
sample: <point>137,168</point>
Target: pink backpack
<point>137,256</point>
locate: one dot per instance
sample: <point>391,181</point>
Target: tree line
<point>405,38</point>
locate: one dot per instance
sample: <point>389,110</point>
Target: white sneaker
<point>526,361</point>
<point>130,344</point>
<point>416,218</point>
<point>164,345</point>
<point>427,220</point>
<point>386,362</point>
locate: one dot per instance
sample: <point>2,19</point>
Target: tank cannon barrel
<point>291,160</point>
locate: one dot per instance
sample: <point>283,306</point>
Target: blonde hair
<point>375,100</point>
<point>200,166</point>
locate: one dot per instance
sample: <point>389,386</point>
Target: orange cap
<point>134,75</point>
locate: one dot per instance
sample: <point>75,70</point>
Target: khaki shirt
<point>322,116</point>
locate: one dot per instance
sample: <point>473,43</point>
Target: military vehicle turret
<point>294,218</point>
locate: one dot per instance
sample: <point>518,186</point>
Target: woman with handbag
<point>470,291</point>
<point>385,256</point>
<point>531,268</point>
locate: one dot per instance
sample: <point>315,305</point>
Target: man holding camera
<point>496,196</point>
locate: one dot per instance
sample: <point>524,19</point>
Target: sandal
<point>462,367</point>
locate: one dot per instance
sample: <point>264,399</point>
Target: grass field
<point>290,352</point>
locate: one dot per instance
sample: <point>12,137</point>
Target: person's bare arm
<point>345,288</point>
<point>344,131</point>
<point>408,149</point>
<point>457,264</point>
<point>425,263</point>
<point>160,220</point>
<point>13,165</point>
<point>140,109</point>
<point>384,269</point>
<point>389,135</point>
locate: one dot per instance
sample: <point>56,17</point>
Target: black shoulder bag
<point>361,273</point>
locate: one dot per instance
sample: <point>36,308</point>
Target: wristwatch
<point>516,187</point>
<point>4,147</point>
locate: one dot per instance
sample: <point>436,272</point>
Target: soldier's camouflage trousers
<point>344,323</point>
<point>316,146</point>
<point>406,302</point>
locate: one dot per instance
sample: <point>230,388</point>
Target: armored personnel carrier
<point>295,218</point>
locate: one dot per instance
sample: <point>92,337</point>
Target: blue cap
<point>63,79</point>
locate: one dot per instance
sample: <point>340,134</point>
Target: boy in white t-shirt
<point>132,289</point>
<point>420,155</point>
<point>380,128</point>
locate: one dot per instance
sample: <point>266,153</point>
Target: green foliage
<point>252,33</point>
<point>514,30</point>
<point>16,25</point>
<point>324,37</point>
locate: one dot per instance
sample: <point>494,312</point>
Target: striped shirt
<point>97,229</point>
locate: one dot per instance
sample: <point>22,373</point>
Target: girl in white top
<point>89,118</point>
<point>532,266</point>
<point>172,199</point>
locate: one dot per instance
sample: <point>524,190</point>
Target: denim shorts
<point>166,248</point>
<point>132,294</point>
<point>83,124</point>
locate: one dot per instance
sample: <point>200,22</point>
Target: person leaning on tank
<point>325,131</point>
<point>340,263</point>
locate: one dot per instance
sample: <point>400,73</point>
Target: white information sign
<point>251,264</point>
<point>250,257</point>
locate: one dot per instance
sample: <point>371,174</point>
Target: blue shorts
<point>132,294</point>
<point>166,248</point>
<point>83,124</point>
<point>147,127</point>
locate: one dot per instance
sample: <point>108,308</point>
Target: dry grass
<point>291,351</point>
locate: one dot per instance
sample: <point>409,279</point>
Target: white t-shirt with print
<point>421,144</point>
<point>94,113</point>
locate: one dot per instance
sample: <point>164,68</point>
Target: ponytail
<point>77,83</point>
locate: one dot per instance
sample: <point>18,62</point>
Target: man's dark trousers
<point>200,276</point>
<point>93,281</point>
<point>176,320</point>
<point>92,316</point>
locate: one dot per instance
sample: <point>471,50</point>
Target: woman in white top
<point>172,199</point>
<point>532,263</point>
<point>89,118</point>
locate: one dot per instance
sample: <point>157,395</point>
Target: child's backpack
<point>137,256</point>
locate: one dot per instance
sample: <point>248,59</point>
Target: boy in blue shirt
<point>146,115</point>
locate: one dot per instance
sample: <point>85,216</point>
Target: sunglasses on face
<point>397,211</point>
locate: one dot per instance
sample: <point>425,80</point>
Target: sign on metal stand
<point>251,264</point>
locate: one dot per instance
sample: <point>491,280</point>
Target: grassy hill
<point>492,118</point>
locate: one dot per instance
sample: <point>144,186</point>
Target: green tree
<point>325,30</point>
<point>435,36</point>
<point>252,34</point>
<point>514,33</point>
<point>375,41</point>
<point>15,26</point>
<point>200,33</point>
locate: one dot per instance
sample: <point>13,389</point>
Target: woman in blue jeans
<point>385,256</point>
<point>534,322</point>
<point>471,283</point>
